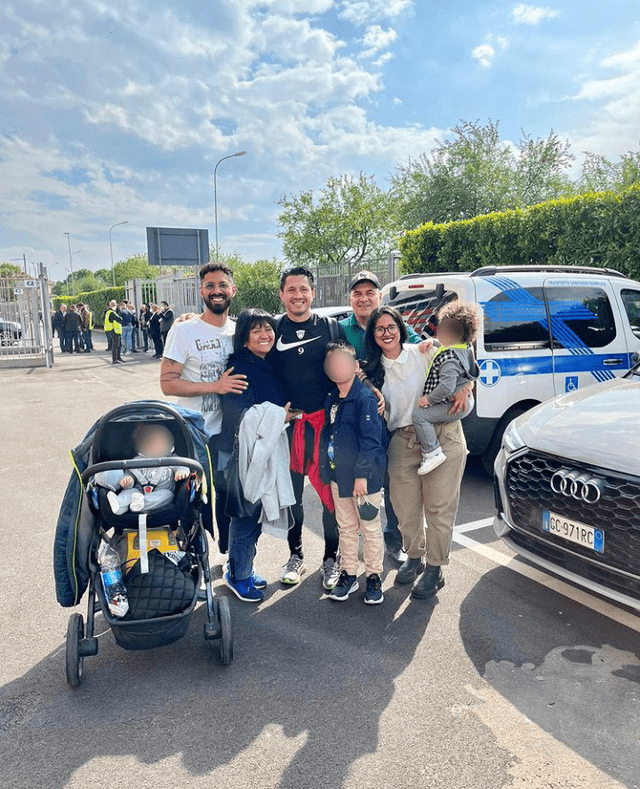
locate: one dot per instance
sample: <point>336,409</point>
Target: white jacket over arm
<point>263,462</point>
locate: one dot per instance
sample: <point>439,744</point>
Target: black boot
<point>410,570</point>
<point>429,584</point>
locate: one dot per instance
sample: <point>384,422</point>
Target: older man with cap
<point>365,297</point>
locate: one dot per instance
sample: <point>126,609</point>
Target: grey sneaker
<point>330,574</point>
<point>293,569</point>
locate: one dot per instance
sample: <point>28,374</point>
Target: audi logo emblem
<point>573,484</point>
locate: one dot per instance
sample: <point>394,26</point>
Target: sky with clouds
<point>117,111</point>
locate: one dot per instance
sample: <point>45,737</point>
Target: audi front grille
<point>537,482</point>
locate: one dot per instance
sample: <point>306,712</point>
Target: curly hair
<point>466,313</point>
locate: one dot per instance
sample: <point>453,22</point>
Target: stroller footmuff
<point>163,552</point>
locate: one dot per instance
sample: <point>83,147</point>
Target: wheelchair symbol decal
<point>571,383</point>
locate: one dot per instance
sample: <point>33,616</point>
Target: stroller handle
<point>112,465</point>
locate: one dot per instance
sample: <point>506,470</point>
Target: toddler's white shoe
<point>431,460</point>
<point>114,503</point>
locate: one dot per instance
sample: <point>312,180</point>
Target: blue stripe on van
<point>541,365</point>
<point>524,304</point>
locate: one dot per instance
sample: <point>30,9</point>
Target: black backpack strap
<point>334,331</point>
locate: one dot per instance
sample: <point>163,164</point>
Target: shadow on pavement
<point>304,676</point>
<point>570,670</point>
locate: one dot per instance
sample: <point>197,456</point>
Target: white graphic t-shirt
<point>203,351</point>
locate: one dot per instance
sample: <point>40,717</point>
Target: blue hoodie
<point>360,440</point>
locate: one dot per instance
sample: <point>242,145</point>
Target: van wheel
<point>490,454</point>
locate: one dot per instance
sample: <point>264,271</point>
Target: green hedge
<point>96,299</point>
<point>597,229</point>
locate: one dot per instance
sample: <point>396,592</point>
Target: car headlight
<point>511,439</point>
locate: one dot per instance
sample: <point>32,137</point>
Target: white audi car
<point>567,485</point>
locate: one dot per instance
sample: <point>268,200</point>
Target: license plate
<point>573,531</point>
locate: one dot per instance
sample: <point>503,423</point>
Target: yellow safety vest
<point>111,325</point>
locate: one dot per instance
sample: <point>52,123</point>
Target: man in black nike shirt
<point>298,357</point>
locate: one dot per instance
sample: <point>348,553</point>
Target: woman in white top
<point>399,369</point>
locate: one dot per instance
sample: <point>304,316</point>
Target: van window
<point>631,301</point>
<point>580,317</point>
<point>516,319</point>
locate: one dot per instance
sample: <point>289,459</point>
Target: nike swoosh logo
<point>286,346</point>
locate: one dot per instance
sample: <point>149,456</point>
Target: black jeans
<point>157,344</point>
<point>115,346</point>
<point>222,519</point>
<point>329,523</point>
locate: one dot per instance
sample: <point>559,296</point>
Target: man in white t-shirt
<point>194,369</point>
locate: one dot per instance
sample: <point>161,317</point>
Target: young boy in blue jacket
<point>353,449</point>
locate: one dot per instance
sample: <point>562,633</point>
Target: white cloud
<point>484,54</point>
<point>532,15</point>
<point>615,100</point>
<point>364,12</point>
<point>376,38</point>
<point>120,112</point>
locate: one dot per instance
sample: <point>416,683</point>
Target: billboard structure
<point>176,246</point>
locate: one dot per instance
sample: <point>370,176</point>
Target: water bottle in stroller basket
<point>115,591</point>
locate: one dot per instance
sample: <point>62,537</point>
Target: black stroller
<point>164,596</point>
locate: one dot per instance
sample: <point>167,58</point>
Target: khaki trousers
<point>434,496</point>
<point>349,524</point>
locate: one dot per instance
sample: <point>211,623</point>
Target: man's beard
<point>218,307</point>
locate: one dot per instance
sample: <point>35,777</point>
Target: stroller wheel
<point>226,637</point>
<point>75,633</point>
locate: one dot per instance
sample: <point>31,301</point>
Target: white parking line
<point>580,596</point>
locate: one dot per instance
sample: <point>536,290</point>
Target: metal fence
<point>182,294</point>
<point>25,321</point>
<point>332,284</point>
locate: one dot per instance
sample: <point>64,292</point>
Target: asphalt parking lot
<point>510,678</point>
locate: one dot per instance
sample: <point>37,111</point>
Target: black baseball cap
<point>364,276</point>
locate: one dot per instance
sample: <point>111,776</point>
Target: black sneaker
<point>373,595</point>
<point>346,584</point>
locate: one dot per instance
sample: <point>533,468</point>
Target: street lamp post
<point>113,271</point>
<point>215,190</point>
<point>68,235</point>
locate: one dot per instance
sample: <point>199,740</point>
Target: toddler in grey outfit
<point>453,367</point>
<point>144,489</point>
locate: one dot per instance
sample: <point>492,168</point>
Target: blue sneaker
<point>258,581</point>
<point>345,586</point>
<point>243,590</point>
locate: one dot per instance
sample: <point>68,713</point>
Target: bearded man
<point>194,369</point>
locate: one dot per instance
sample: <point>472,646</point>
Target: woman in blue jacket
<point>253,340</point>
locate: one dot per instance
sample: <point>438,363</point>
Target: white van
<point>546,330</point>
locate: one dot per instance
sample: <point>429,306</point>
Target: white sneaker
<point>114,503</point>
<point>330,574</point>
<point>293,569</point>
<point>432,460</point>
<point>137,501</point>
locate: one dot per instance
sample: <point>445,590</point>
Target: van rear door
<point>588,339</point>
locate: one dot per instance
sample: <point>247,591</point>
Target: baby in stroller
<point>144,489</point>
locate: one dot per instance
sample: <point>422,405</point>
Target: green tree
<point>135,267</point>
<point>351,221</point>
<point>258,285</point>
<point>10,270</point>
<point>599,174</point>
<point>475,172</point>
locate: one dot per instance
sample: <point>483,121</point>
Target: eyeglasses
<point>212,286</point>
<point>380,331</point>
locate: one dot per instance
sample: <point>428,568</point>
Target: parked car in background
<point>545,330</point>
<point>567,483</point>
<point>10,332</point>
